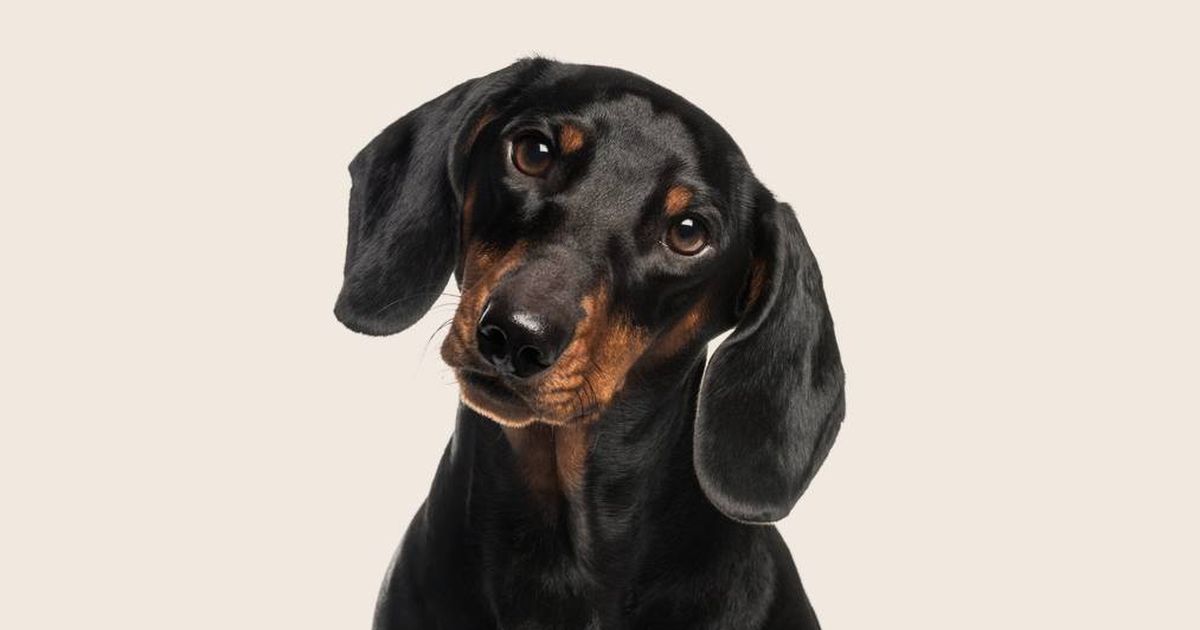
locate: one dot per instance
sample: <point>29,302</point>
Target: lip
<point>488,394</point>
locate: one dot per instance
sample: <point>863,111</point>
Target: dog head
<point>601,229</point>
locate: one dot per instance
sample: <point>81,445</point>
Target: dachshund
<point>603,472</point>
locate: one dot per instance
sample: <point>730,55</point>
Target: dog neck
<point>639,449</point>
<point>552,461</point>
<point>593,505</point>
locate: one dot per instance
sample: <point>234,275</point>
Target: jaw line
<point>464,395</point>
<point>491,415</point>
<point>584,417</point>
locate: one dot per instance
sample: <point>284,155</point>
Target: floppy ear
<point>772,398</point>
<point>405,202</point>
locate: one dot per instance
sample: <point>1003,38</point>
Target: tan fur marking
<point>552,460</point>
<point>484,118</point>
<point>571,446</point>
<point>517,421</point>
<point>533,447</point>
<point>758,279</point>
<point>483,268</point>
<point>677,199</point>
<point>683,332</point>
<point>468,212</point>
<point>570,139</point>
<point>594,366</point>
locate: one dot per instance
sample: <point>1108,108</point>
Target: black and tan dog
<point>602,230</point>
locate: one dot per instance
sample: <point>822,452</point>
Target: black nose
<point>517,341</point>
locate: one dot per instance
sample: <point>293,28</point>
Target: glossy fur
<point>624,486</point>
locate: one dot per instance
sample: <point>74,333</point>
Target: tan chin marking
<point>552,460</point>
<point>571,446</point>
<point>533,448</point>
<point>500,419</point>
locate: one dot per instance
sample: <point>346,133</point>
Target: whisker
<point>425,348</point>
<point>415,296</point>
<point>586,392</point>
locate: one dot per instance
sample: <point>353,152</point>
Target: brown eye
<point>532,154</point>
<point>687,235</point>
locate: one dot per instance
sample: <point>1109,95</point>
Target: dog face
<point>592,243</point>
<point>601,229</point>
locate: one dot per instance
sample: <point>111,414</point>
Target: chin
<point>491,398</point>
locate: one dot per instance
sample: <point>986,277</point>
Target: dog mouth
<point>489,395</point>
<point>550,399</point>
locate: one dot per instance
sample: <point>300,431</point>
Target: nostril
<point>531,360</point>
<point>533,356</point>
<point>493,345</point>
<point>494,335</point>
<point>517,342</point>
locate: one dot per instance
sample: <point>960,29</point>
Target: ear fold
<point>405,201</point>
<point>772,398</point>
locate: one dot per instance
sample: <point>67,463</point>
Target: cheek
<point>596,362</point>
<point>686,330</point>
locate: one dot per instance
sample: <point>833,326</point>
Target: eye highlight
<point>686,235</point>
<point>533,154</point>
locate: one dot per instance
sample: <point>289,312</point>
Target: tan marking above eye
<point>677,199</point>
<point>570,139</point>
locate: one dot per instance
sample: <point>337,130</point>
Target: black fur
<point>683,460</point>
<point>406,187</point>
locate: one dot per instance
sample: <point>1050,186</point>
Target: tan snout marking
<point>483,268</point>
<point>594,366</point>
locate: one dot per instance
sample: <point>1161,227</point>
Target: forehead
<point>636,120</point>
<point>634,148</point>
<point>633,123</point>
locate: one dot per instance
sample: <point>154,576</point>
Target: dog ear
<point>405,202</point>
<point>772,397</point>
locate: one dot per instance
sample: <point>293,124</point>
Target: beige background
<point>1003,197</point>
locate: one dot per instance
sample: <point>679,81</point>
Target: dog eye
<point>532,154</point>
<point>687,235</point>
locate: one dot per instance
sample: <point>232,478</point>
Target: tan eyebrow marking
<point>677,199</point>
<point>570,139</point>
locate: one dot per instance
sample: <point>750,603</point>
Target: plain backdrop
<point>1003,197</point>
